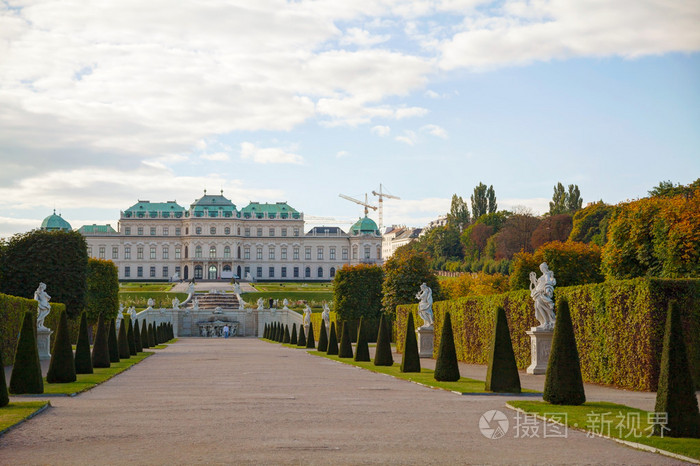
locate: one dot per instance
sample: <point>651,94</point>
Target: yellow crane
<point>381,196</point>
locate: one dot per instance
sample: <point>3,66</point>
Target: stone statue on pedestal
<point>542,292</point>
<point>195,304</point>
<point>307,316</point>
<point>285,303</point>
<point>425,306</point>
<point>237,288</point>
<point>151,303</point>
<point>44,308</point>
<point>176,304</point>
<point>120,317</point>
<point>261,303</point>
<point>132,313</point>
<point>326,315</point>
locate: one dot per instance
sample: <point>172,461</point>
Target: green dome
<point>55,223</point>
<point>364,226</point>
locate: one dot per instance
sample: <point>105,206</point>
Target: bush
<point>323,337</point>
<point>302,337</point>
<point>83,360</point>
<point>676,393</point>
<point>100,350</point>
<point>293,339</point>
<point>446,366</point>
<point>475,284</point>
<point>552,228</point>
<point>362,349</point>
<point>145,343</point>
<point>102,294</point>
<point>502,374</point>
<point>4,396</point>
<point>563,382</point>
<point>345,350</point>
<point>26,370</point>
<point>410,362</point>
<point>404,272</point>
<point>332,341</point>
<point>151,336</point>
<point>357,291</point>
<point>382,355</point>
<point>310,342</point>
<point>62,365</point>
<point>112,342</point>
<point>285,336</point>
<point>137,337</point>
<point>130,337</point>
<point>590,224</point>
<point>123,342</point>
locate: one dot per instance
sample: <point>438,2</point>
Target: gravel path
<point>248,401</point>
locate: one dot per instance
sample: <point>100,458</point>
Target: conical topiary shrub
<point>362,348</point>
<point>323,337</point>
<point>4,396</point>
<point>293,339</point>
<point>286,338</point>
<point>83,359</point>
<point>26,371</point>
<point>502,374</point>
<point>100,350</point>
<point>345,350</point>
<point>266,333</point>
<point>310,342</point>
<point>151,336</point>
<point>446,367</point>
<point>62,365</point>
<point>676,393</point>
<point>382,356</point>
<point>144,335</point>
<point>410,362</point>
<point>122,342</point>
<point>302,337</point>
<point>563,384</point>
<point>130,338</point>
<point>137,337</point>
<point>332,341</point>
<point>112,342</point>
<point>278,333</point>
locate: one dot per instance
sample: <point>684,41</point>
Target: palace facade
<point>214,240</point>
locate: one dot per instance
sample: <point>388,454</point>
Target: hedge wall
<point>618,324</point>
<point>12,309</point>
<point>316,320</point>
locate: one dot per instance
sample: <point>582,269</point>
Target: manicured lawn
<point>88,381</point>
<point>135,286</point>
<point>293,286</point>
<point>139,299</point>
<point>315,298</point>
<point>628,424</point>
<point>165,345</point>
<point>425,377</point>
<point>16,412</point>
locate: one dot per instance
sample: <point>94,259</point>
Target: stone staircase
<point>214,300</point>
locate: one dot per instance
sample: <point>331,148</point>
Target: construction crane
<point>366,204</point>
<point>382,195</point>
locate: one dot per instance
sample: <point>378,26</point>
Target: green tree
<point>323,337</point>
<point>62,365</point>
<point>26,370</point>
<point>573,199</point>
<point>301,341</point>
<point>668,189</point>
<point>102,289</point>
<point>332,341</point>
<point>357,292</point>
<point>56,258</point>
<point>459,213</point>
<point>293,338</point>
<point>404,272</point>
<point>145,343</point>
<point>491,198</point>
<point>480,201</point>
<point>113,342</point>
<point>138,341</point>
<point>310,342</point>
<point>558,204</point>
<point>123,342</point>
<point>590,224</point>
<point>130,338</point>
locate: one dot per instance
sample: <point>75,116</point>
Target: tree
<point>590,224</point>
<point>357,291</point>
<point>345,350</point>
<point>83,360</point>
<point>404,272</point>
<point>362,348</point>
<point>668,189</point>
<point>382,355</point>
<point>675,395</point>
<point>410,362</point>
<point>551,228</point>
<point>446,366</point>
<point>480,202</point>
<point>502,373</point>
<point>491,197</point>
<point>516,235</point>
<point>100,350</point>
<point>573,201</point>
<point>459,213</point>
<point>112,342</point>
<point>26,370</point>
<point>323,337</point>
<point>151,336</point>
<point>310,342</point>
<point>563,382</point>
<point>102,289</point>
<point>123,342</point>
<point>558,204</point>
<point>56,258</point>
<point>332,341</point>
<point>62,365</point>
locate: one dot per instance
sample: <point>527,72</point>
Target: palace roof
<point>364,226</point>
<point>55,223</point>
<point>276,210</point>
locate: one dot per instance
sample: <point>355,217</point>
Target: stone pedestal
<point>43,343</point>
<point>540,347</point>
<point>426,337</point>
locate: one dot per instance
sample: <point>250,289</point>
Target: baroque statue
<point>326,315</point>
<point>285,303</point>
<point>176,303</point>
<point>151,303</point>
<point>307,316</point>
<point>44,308</point>
<point>425,306</point>
<point>542,292</point>
<point>261,303</point>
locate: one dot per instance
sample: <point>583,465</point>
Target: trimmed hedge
<point>137,337</point>
<point>310,342</point>
<point>618,324</point>
<point>112,342</point>
<point>123,342</point>
<point>323,337</point>
<point>62,365</point>
<point>345,350</point>
<point>362,348</point>
<point>26,369</point>
<point>410,362</point>
<point>293,338</point>
<point>83,359</point>
<point>100,350</point>
<point>4,396</point>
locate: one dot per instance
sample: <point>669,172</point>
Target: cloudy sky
<point>104,103</point>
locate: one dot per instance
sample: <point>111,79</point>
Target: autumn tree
<point>552,228</point>
<point>404,272</point>
<point>516,235</point>
<point>564,201</point>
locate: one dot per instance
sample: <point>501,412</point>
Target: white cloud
<point>342,153</point>
<point>414,212</point>
<point>435,130</point>
<point>432,94</point>
<point>215,157</point>
<point>381,130</point>
<point>362,37</point>
<point>409,137</point>
<point>250,151</point>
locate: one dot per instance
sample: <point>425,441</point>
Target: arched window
<point>320,272</point>
<point>212,273</point>
<point>185,252</point>
<point>227,230</point>
<point>367,252</point>
<point>379,252</point>
<point>198,271</point>
<point>239,252</point>
<point>198,230</point>
<point>307,272</point>
<point>212,251</point>
<point>198,252</point>
<point>227,268</point>
<point>227,252</point>
<point>212,230</point>
<point>332,272</point>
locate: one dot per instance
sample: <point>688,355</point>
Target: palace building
<point>214,240</point>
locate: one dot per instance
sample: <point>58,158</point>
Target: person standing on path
<point>226,331</point>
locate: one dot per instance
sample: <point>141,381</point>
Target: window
<point>185,252</point>
<point>89,251</point>
<point>320,272</point>
<point>295,254</point>
<point>212,230</point>
<point>246,253</point>
<point>198,230</point>
<point>139,271</point>
<point>127,231</point>
<point>166,252</point>
<point>153,272</point>
<point>345,254</point>
<point>212,252</point>
<point>332,272</point>
<point>259,232</point>
<point>307,253</point>
<point>227,252</point>
<point>284,232</point>
<point>198,252</point>
<point>247,231</point>
<point>366,252</point>
<point>296,272</point>
<point>139,252</point>
<point>284,254</point>
<point>127,271</point>
<point>166,231</point>
<point>246,271</point>
<point>227,230</point>
<point>271,232</point>
<point>271,272</point>
<point>307,272</point>
<point>354,252</point>
<point>165,272</point>
<point>153,231</point>
<point>379,252</point>
<point>259,272</point>
<point>177,252</point>
<point>296,232</point>
<point>271,253</point>
<point>319,253</point>
<point>177,270</point>
<point>284,272</point>
<point>153,252</point>
<point>238,252</point>
<point>258,254</point>
<point>332,254</point>
<point>238,231</point>
<point>127,252</point>
<point>187,230</point>
<point>139,231</point>
<point>198,271</point>
<point>115,252</point>
<point>102,252</point>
